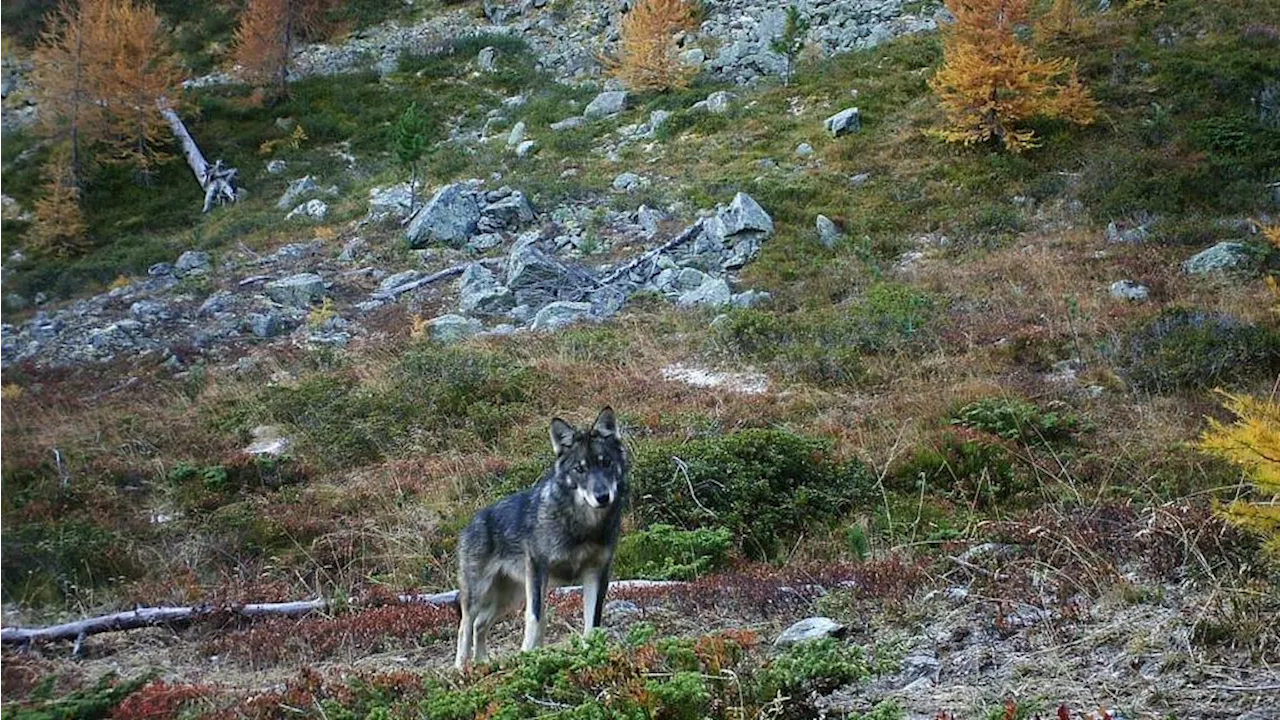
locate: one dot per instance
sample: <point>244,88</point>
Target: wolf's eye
<point>605,461</point>
<point>582,467</point>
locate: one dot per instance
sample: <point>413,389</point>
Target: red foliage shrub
<point>159,701</point>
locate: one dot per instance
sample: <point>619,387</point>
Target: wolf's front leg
<point>595,585</point>
<point>535,592</point>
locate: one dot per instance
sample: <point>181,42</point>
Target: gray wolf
<point>563,530</point>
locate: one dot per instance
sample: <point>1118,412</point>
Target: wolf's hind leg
<point>465,630</point>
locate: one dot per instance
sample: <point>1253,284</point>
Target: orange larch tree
<point>60,227</point>
<point>268,33</point>
<point>990,81</point>
<point>647,57</point>
<point>68,62</point>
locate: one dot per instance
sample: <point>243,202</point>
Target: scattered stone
<point>265,325</point>
<point>488,59</point>
<point>450,217</point>
<point>1219,258</point>
<point>718,102</point>
<point>483,242</point>
<point>160,269</point>
<point>923,664</point>
<point>512,210</point>
<point>526,148</point>
<point>693,57</point>
<point>860,179</point>
<point>395,200</point>
<point>516,136</point>
<point>750,298</point>
<point>744,214</point>
<point>657,119</point>
<point>275,167</point>
<point>620,612</point>
<point>559,314</point>
<point>393,281</point>
<point>537,278</point>
<point>606,103</point>
<point>268,440</point>
<point>628,182</point>
<point>295,191</point>
<point>844,122</point>
<point>713,292</point>
<point>313,209</point>
<point>804,150</point>
<point>453,328</point>
<point>568,123</point>
<point>147,311</point>
<point>814,628</point>
<point>828,233</point>
<point>355,249</point>
<point>1132,235</point>
<point>299,290</point>
<point>479,292</point>
<point>648,219</point>
<point>1129,290</point>
<point>192,262</point>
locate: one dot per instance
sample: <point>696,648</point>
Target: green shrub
<point>45,560</point>
<point>663,552</point>
<point>94,703</point>
<point>968,469</point>
<point>767,486</point>
<point>1182,349</point>
<point>1015,419</point>
<point>815,666</point>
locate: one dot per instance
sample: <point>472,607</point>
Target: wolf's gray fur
<point>563,530</point>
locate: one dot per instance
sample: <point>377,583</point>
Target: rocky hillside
<point>913,425</point>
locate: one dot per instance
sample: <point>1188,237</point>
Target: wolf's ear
<point>562,434</point>
<point>606,424</point>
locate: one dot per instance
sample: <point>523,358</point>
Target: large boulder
<point>828,232</point>
<point>561,314</point>
<point>480,294</point>
<point>299,290</point>
<point>509,212</point>
<point>537,278</point>
<point>295,191</point>
<point>192,262</point>
<point>606,103</point>
<point>713,292</point>
<point>452,328</point>
<point>744,214</point>
<point>394,200</point>
<point>450,217</point>
<point>844,122</point>
<point>809,629</point>
<point>1219,258</point>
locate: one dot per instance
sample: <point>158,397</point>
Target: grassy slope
<point>399,440</point>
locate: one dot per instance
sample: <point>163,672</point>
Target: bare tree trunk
<point>149,616</point>
<point>218,182</point>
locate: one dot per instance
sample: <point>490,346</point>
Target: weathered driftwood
<point>218,182</point>
<point>151,616</point>
<point>398,290</point>
<point>688,234</point>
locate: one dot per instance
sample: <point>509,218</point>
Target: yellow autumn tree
<point>268,33</point>
<point>60,227</point>
<point>647,56</point>
<point>1061,22</point>
<point>990,81</point>
<point>69,60</point>
<point>1253,443</point>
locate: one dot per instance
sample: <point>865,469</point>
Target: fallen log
<point>398,290</point>
<point>685,236</point>
<point>152,616</point>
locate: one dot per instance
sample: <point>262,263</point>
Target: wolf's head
<point>591,463</point>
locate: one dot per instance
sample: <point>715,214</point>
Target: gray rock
<point>920,664</point>
<point>606,103</point>
<point>689,279</point>
<point>620,612</point>
<point>295,191</point>
<point>265,325</point>
<point>355,249</point>
<point>657,119</point>
<point>216,303</point>
<point>557,315</point>
<point>1219,258</point>
<point>628,181</point>
<point>160,269</point>
<point>450,217</point>
<point>192,262</point>
<point>275,167</point>
<point>860,179</point>
<point>745,214</point>
<point>1129,290</point>
<point>483,242</point>
<point>488,59</point>
<point>749,298</point>
<point>713,292</point>
<point>1127,234</point>
<point>480,294</point>
<point>453,328</point>
<point>537,278</point>
<point>390,201</point>
<point>299,290</point>
<point>268,440</point>
<point>313,209</point>
<point>828,233</point>
<point>568,123</point>
<point>804,150</point>
<point>814,628</point>
<point>844,122</point>
<point>648,219</point>
<point>511,211</point>
<point>693,57</point>
<point>526,148</point>
<point>718,102</point>
<point>148,311</point>
<point>516,136</point>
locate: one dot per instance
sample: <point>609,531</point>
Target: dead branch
<point>688,234</point>
<point>152,616</point>
<point>393,293</point>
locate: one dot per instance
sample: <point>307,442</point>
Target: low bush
<point>1016,419</point>
<point>663,552</point>
<point>815,666</point>
<point>768,487</point>
<point>969,467</point>
<point>1182,349</point>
